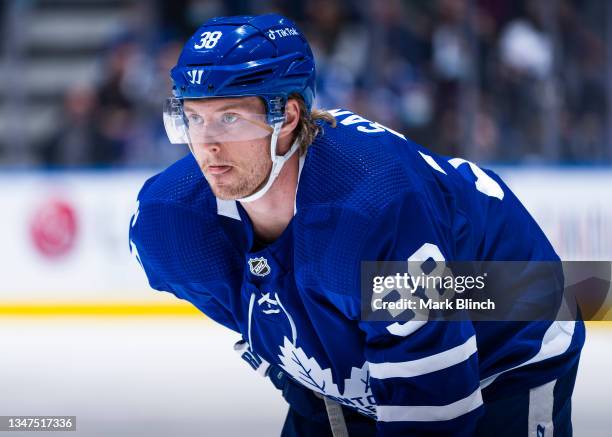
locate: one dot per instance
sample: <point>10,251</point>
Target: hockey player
<point>263,228</point>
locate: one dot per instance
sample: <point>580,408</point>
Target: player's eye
<point>194,119</point>
<point>229,118</point>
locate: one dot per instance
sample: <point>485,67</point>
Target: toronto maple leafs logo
<point>357,392</point>
<point>259,266</point>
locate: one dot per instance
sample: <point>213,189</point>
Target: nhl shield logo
<point>259,266</point>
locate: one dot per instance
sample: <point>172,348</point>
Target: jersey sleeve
<point>424,375</point>
<point>182,253</point>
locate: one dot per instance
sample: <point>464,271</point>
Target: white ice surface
<point>180,377</point>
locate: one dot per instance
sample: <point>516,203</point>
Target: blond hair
<point>307,128</point>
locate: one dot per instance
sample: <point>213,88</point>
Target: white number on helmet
<point>208,40</point>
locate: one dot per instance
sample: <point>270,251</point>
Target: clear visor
<point>201,124</point>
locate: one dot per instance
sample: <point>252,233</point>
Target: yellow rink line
<point>129,309</point>
<point>96,309</point>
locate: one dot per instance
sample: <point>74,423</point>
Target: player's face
<point>232,148</point>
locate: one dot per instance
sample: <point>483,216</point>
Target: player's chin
<point>221,190</point>
<point>233,185</point>
<point>226,191</point>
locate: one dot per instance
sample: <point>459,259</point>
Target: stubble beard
<point>244,184</point>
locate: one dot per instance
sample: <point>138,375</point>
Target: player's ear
<point>292,118</point>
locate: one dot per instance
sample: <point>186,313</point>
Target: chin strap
<point>278,162</point>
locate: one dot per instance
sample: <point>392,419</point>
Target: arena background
<point>523,87</point>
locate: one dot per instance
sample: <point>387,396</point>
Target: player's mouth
<point>218,169</point>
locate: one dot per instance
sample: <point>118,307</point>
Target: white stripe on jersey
<point>429,413</point>
<point>422,366</point>
<point>557,339</point>
<point>541,400</point>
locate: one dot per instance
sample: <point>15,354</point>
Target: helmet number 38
<point>208,40</point>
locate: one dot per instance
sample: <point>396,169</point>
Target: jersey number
<point>484,183</point>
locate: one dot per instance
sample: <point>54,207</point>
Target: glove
<point>243,349</point>
<point>300,398</point>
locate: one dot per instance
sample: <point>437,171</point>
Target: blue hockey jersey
<point>365,192</point>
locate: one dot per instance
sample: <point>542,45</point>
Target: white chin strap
<point>277,164</point>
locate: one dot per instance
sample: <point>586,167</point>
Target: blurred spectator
<point>78,140</point>
<point>150,145</point>
<point>126,74</point>
<point>489,79</point>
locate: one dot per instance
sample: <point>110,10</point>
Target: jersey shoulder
<point>356,174</point>
<point>359,184</point>
<point>358,165</point>
<point>181,184</point>
<point>177,231</point>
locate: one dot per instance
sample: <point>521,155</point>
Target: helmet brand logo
<point>195,76</point>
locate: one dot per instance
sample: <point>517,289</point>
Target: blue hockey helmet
<point>264,56</point>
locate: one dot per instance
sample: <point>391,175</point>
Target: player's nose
<point>210,147</point>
